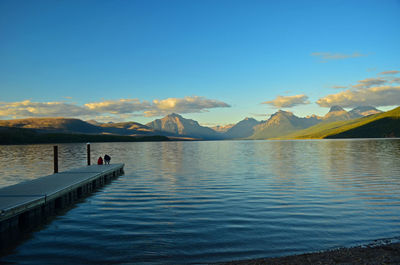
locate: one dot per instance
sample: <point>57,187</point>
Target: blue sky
<point>212,61</point>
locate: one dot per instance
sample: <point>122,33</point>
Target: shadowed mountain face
<point>282,123</point>
<point>242,129</point>
<point>178,125</point>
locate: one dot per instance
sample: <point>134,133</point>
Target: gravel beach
<point>366,255</point>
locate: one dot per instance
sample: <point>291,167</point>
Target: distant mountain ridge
<point>284,123</point>
<point>242,129</point>
<point>65,125</point>
<point>222,128</point>
<point>68,125</point>
<point>281,125</point>
<point>14,135</point>
<point>364,111</point>
<point>281,122</point>
<point>176,124</point>
<point>128,128</point>
<point>383,124</point>
<point>337,113</point>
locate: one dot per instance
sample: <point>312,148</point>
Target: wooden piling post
<point>88,153</point>
<point>55,149</point>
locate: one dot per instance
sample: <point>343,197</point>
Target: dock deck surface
<point>28,194</point>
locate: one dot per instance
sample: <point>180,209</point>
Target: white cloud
<point>121,106</point>
<point>192,104</point>
<point>369,82</point>
<point>338,87</point>
<point>389,72</point>
<point>28,108</point>
<point>288,101</point>
<point>394,80</point>
<point>325,56</point>
<point>378,91</point>
<point>373,96</point>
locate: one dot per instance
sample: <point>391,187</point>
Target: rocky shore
<point>366,255</point>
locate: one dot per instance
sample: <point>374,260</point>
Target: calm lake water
<point>200,202</point>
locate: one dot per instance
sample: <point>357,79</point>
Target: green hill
<point>385,124</point>
<point>382,128</point>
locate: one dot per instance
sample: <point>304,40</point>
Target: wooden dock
<point>25,205</point>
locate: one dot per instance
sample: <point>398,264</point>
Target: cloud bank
<point>116,108</point>
<point>28,108</point>
<point>288,101</point>
<point>193,104</point>
<point>373,96</point>
<point>378,91</point>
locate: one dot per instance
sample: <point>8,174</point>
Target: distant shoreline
<point>368,254</point>
<point>26,136</point>
<point>19,136</point>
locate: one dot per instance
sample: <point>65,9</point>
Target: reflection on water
<point>24,162</point>
<point>191,202</point>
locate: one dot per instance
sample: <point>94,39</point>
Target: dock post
<point>55,148</point>
<point>88,153</point>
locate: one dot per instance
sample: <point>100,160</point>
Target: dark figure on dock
<point>100,161</point>
<point>107,159</point>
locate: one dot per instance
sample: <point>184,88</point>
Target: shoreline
<point>385,253</point>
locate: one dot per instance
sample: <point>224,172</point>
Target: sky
<point>216,61</point>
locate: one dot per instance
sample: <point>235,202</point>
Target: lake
<point>212,201</point>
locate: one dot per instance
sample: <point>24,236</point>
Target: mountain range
<point>379,125</point>
<point>175,124</point>
<point>284,123</point>
<point>281,125</point>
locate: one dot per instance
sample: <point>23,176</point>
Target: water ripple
<point>199,202</point>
